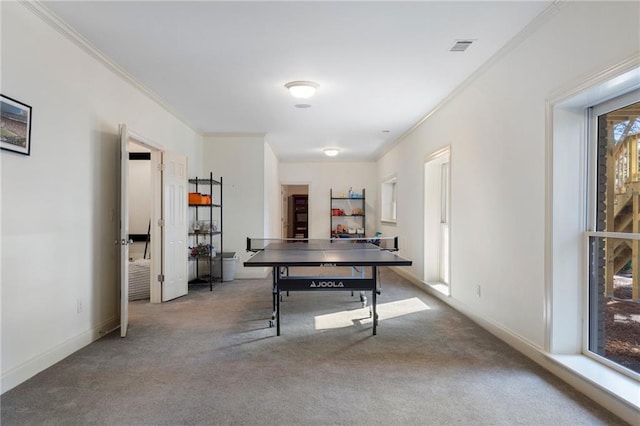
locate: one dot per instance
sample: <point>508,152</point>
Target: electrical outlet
<point>79,306</point>
<point>479,290</point>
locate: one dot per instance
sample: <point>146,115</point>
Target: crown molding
<point>234,135</point>
<point>48,17</point>
<point>570,90</point>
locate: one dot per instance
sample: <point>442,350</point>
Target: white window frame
<point>568,185</point>
<point>593,113</point>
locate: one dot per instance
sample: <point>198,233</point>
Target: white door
<point>174,231</point>
<point>124,230</point>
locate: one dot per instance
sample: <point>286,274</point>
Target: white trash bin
<point>229,267</point>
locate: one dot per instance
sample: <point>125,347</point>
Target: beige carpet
<point>210,358</point>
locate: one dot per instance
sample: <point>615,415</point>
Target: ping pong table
<point>356,253</point>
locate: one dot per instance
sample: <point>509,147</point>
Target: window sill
<point>439,287</point>
<point>388,222</point>
<point>621,387</point>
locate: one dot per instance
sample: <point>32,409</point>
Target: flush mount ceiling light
<point>331,152</point>
<point>302,89</point>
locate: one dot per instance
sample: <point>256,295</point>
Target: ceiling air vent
<point>460,45</point>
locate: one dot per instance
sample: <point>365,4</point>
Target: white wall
<point>272,204</point>
<point>240,160</point>
<point>323,176</point>
<point>60,206</point>
<point>496,128</point>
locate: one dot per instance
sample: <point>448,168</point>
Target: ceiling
<point>222,66</point>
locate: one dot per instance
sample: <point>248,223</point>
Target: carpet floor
<point>210,358</point>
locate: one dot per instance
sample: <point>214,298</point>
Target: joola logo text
<point>326,284</point>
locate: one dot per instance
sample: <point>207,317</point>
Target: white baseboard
<point>30,368</point>
<point>609,388</point>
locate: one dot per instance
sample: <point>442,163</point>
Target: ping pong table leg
<point>278,306</point>
<point>274,295</point>
<point>374,298</point>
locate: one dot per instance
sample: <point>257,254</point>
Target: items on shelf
<point>350,195</point>
<point>203,226</point>
<point>196,198</point>
<point>352,224</point>
<point>203,251</point>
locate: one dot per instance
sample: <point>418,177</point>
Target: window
<point>437,206</point>
<point>389,200</point>
<point>614,243</point>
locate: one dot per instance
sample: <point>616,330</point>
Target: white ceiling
<point>222,66</point>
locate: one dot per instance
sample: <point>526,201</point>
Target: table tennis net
<point>373,243</point>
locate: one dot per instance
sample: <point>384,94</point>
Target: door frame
<point>284,210</point>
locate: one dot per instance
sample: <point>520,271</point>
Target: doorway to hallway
<point>295,210</point>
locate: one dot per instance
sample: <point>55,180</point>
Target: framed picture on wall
<point>15,126</point>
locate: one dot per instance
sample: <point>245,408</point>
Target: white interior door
<point>124,230</point>
<point>174,231</point>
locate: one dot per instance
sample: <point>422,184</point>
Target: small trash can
<point>228,268</point>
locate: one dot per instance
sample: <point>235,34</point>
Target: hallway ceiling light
<point>302,89</point>
<point>331,152</point>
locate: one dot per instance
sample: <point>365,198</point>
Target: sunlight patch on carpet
<point>361,316</point>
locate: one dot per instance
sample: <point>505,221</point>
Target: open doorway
<point>437,194</point>
<point>295,210</point>
<point>166,235</point>
<point>140,205</point>
<point>130,141</point>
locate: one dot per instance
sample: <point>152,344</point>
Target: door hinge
<point>161,167</point>
<point>161,278</point>
<point>160,223</point>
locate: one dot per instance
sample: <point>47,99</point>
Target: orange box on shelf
<point>205,199</point>
<point>194,198</point>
